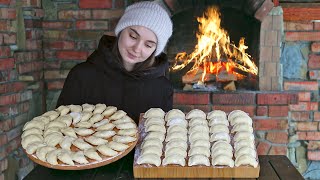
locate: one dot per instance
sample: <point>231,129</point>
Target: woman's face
<point>136,44</point>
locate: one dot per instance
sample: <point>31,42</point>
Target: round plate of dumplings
<point>76,137</point>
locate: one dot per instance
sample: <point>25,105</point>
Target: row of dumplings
<point>58,130</point>
<point>216,124</point>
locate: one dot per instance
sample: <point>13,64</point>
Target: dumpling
<point>75,108</point>
<point>176,135</point>
<point>236,113</point>
<point>127,132</point>
<point>87,107</point>
<point>63,110</point>
<point>221,151</point>
<point>221,145</point>
<point>107,151</point>
<point>245,150</point>
<point>84,124</point>
<point>31,139</point>
<point>176,143</point>
<point>241,119</point>
<point>53,139</point>
<point>243,135</point>
<point>104,134</point>
<point>174,159</point>
<point>83,131</point>
<point>218,120</point>
<point>199,150</point>
<point>65,156</point>
<point>129,125</point>
<point>109,111</point>
<point>151,150</point>
<point>117,115</point>
<point>95,140</point>
<point>96,118</point>
<point>124,119</point>
<point>31,131</point>
<point>81,144</point>
<point>149,159</point>
<point>92,154</point>
<point>200,142</point>
<point>176,150</point>
<point>156,128</point>
<point>99,108</point>
<point>219,128</point>
<point>108,126</point>
<point>246,160</point>
<point>220,136</point>
<point>44,119</point>
<point>177,128</point>
<point>216,113</point>
<point>152,142</point>
<point>34,124</point>
<point>223,160</point>
<point>177,121</point>
<point>56,124</point>
<point>67,119</point>
<point>41,152</point>
<point>79,157</point>
<point>244,142</point>
<point>51,130</point>
<point>174,113</point>
<point>154,112</point>
<point>76,117</point>
<point>196,113</point>
<point>154,120</point>
<point>117,146</point>
<point>52,156</point>
<point>69,131</point>
<point>202,128</point>
<point>101,123</point>
<point>198,159</point>
<point>198,135</point>
<point>51,115</point>
<point>85,116</point>
<point>155,134</point>
<point>66,142</point>
<point>242,127</point>
<point>123,139</point>
<point>198,121</point>
<point>32,147</point>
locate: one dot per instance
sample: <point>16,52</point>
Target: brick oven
<point>40,41</point>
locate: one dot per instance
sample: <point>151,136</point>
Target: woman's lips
<point>131,56</point>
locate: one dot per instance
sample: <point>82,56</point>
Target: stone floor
<point>313,171</point>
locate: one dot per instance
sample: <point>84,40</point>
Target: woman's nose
<point>137,47</point>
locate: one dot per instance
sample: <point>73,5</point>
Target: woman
<point>127,71</point>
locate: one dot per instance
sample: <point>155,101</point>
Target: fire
<point>214,44</point>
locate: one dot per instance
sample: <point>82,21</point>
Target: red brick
<point>314,74</point>
<point>9,39</point>
<point>5,2</point>
<point>191,98</point>
<point>278,111</point>
<point>187,108</point>
<point>13,133</point>
<point>95,4</point>
<point>55,85</point>
<point>307,126</point>
<point>301,85</point>
<point>315,47</point>
<point>7,13</point>
<point>64,45</point>
<point>3,165</point>
<point>316,116</point>
<point>277,137</point>
<point>5,51</point>
<point>72,55</point>
<point>9,99</point>
<point>308,135</point>
<point>314,155</point>
<point>32,3</point>
<point>27,56</point>
<point>106,14</point>
<point>5,125</point>
<point>316,26</point>
<point>314,61</point>
<point>313,145</point>
<point>300,116</point>
<point>56,25</point>
<point>74,14</point>
<point>263,148</point>
<point>277,99</point>
<point>304,96</point>
<point>12,87</point>
<point>304,106</point>
<point>96,25</point>
<point>30,67</point>
<point>6,64</point>
<point>302,36</point>
<point>248,109</point>
<point>3,139</point>
<point>262,110</point>
<point>233,99</point>
<point>298,26</point>
<point>55,34</point>
<point>33,23</point>
<point>13,145</point>
<point>33,44</point>
<point>270,124</point>
<point>4,25</point>
<point>278,150</point>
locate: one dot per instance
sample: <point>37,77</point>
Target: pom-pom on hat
<point>150,15</point>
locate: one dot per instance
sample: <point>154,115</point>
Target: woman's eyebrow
<point>136,32</point>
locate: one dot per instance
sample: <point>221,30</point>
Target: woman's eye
<point>133,37</point>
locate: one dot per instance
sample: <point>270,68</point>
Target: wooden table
<point>272,168</point>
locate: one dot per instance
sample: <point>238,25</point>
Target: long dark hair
<point>138,67</point>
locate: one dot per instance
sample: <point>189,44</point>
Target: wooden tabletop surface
<point>272,167</point>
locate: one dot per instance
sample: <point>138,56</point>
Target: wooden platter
<point>92,163</point>
<point>176,171</point>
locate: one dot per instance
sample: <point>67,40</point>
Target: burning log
<point>230,86</point>
<point>191,78</point>
<point>224,76</point>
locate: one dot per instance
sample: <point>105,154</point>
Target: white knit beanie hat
<point>150,15</point>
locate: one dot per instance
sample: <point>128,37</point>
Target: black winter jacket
<point>101,79</point>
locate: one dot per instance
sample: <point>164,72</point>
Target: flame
<point>214,43</point>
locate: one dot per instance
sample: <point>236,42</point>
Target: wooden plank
<point>266,171</point>
<point>301,12</point>
<point>284,168</point>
